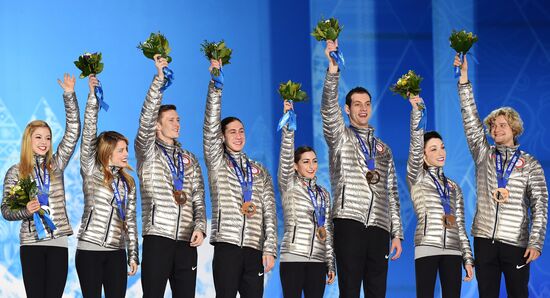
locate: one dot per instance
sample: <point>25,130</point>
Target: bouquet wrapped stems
<point>90,64</point>
<point>157,44</point>
<point>290,91</point>
<point>329,30</point>
<point>462,42</point>
<point>409,85</point>
<point>220,52</point>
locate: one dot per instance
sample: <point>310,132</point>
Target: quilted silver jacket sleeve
<point>286,170</point>
<point>394,204</point>
<point>213,138</point>
<point>415,161</point>
<point>465,248</point>
<point>133,244</point>
<point>88,147</point>
<point>537,192</point>
<point>197,197</point>
<point>10,180</point>
<point>66,147</point>
<point>473,127</point>
<point>331,113</point>
<point>146,136</point>
<point>270,217</point>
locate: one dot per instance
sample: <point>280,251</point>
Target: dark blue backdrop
<point>271,42</point>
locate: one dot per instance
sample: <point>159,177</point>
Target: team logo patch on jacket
<point>520,163</point>
<point>380,148</point>
<point>186,159</point>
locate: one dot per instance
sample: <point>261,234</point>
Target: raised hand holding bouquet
<point>330,30</point>
<point>90,64</point>
<point>290,91</point>
<point>462,42</point>
<point>21,194</point>
<point>217,51</point>
<point>157,44</point>
<point>408,85</point>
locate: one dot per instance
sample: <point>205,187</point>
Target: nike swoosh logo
<point>520,266</point>
<point>386,256</point>
<point>193,268</point>
<point>260,273</point>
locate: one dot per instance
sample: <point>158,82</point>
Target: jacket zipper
<point>498,204</point>
<point>109,223</point>
<point>294,234</point>
<point>219,219</point>
<point>313,235</point>
<point>29,226</point>
<point>444,238</point>
<point>89,218</point>
<point>370,206</point>
<point>242,231</point>
<point>153,215</point>
<point>343,195</point>
<point>178,222</point>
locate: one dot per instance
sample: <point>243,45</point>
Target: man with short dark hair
<point>364,186</point>
<point>172,198</point>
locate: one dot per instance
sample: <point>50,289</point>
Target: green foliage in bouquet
<point>20,194</point>
<point>327,29</point>
<point>216,51</point>
<point>408,85</point>
<point>89,64</point>
<point>291,91</point>
<point>462,41</point>
<point>156,44</point>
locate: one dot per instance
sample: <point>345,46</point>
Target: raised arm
<point>415,161</point>
<point>331,113</point>
<point>286,156</point>
<point>66,147</point>
<point>88,147</point>
<point>212,131</point>
<point>146,136</point>
<point>473,127</point>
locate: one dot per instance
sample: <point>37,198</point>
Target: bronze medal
<point>180,197</point>
<point>449,221</point>
<point>248,209</point>
<point>500,195</point>
<point>373,177</point>
<point>322,233</point>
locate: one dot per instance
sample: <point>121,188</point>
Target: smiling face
<point>119,157</point>
<point>434,152</point>
<point>41,140</point>
<point>234,137</point>
<point>359,110</point>
<point>502,132</point>
<point>168,126</point>
<point>307,165</point>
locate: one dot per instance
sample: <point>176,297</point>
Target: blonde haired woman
<point>109,220</point>
<point>44,255</point>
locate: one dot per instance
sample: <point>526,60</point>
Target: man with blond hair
<point>512,197</point>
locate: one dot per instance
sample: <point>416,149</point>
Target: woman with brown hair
<point>109,220</point>
<point>44,253</point>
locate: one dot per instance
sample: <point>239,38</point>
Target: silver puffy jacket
<point>509,222</point>
<point>161,216</point>
<point>229,225</point>
<point>354,198</point>
<point>300,223</point>
<point>61,158</point>
<point>427,204</point>
<point>101,223</point>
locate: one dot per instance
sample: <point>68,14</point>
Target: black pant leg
<point>376,263</point>
<point>89,266</point>
<point>115,274</point>
<point>450,275</point>
<point>252,281</point>
<point>292,278</point>
<point>316,273</point>
<point>33,265</point>
<point>57,267</point>
<point>515,274</point>
<point>227,268</point>
<point>350,247</point>
<point>426,273</point>
<point>183,279</point>
<point>158,257</point>
<point>487,266</point>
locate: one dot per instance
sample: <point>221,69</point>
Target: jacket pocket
<point>219,220</point>
<point>343,195</point>
<point>89,219</point>
<point>294,234</point>
<point>153,215</point>
<point>425,223</point>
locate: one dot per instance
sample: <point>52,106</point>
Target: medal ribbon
<point>246,185</point>
<point>121,202</point>
<point>98,90</point>
<point>177,172</point>
<point>504,175</point>
<point>43,198</point>
<point>169,75</point>
<point>319,210</point>
<point>370,153</point>
<point>443,193</point>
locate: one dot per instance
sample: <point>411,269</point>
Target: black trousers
<point>306,277</point>
<point>493,259</point>
<point>97,269</point>
<point>237,269</point>
<point>166,259</point>
<point>44,270</point>
<point>361,257</point>
<point>450,275</point>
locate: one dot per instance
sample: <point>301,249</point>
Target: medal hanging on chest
<point>319,212</point>
<point>501,194</point>
<point>247,208</point>
<point>449,219</point>
<point>372,175</point>
<point>178,172</point>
